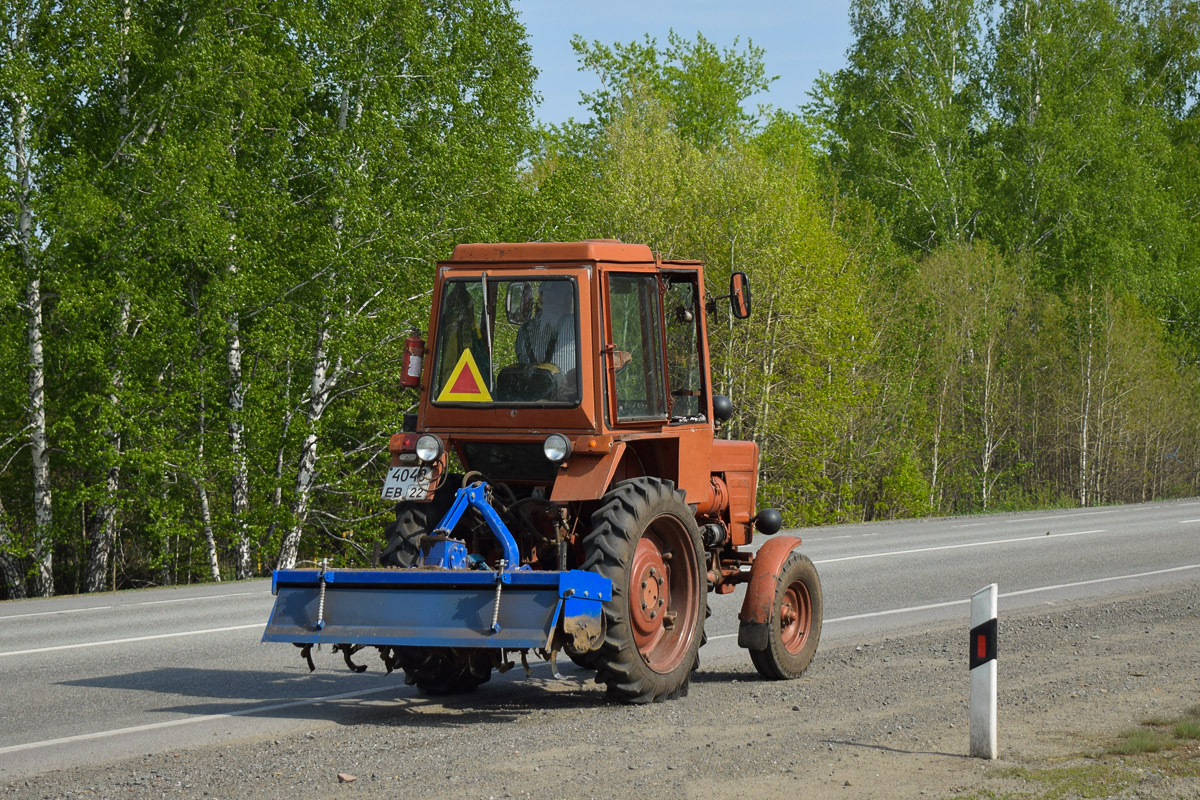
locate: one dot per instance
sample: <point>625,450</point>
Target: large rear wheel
<point>644,538</point>
<point>795,625</point>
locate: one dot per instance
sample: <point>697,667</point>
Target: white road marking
<point>146,603</point>
<point>1069,516</point>
<point>1101,580</point>
<point>84,737</point>
<point>48,613</point>
<point>1186,521</point>
<point>965,601</point>
<point>193,599</point>
<point>131,639</point>
<point>955,546</point>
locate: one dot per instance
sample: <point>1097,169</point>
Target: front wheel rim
<point>795,617</point>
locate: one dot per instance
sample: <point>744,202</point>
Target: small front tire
<point>445,670</point>
<point>795,627</point>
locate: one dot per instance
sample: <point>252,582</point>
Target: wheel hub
<point>795,612</point>
<point>651,592</point>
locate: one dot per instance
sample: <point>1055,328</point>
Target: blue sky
<point>800,38</point>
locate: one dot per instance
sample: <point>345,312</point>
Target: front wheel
<point>445,670</point>
<point>415,520</point>
<point>644,538</point>
<point>795,625</point>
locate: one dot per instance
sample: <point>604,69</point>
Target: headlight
<point>557,448</point>
<point>429,447</point>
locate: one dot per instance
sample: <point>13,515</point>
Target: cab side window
<point>635,314</point>
<point>683,349</point>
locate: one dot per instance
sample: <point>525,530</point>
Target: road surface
<point>91,679</point>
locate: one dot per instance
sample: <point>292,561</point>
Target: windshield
<point>507,342</point>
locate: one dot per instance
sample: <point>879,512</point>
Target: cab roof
<point>612,250</point>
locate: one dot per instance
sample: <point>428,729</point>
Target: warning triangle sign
<point>466,384</point>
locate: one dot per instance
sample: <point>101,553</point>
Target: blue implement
<point>477,497</point>
<point>445,602</point>
<point>436,607</point>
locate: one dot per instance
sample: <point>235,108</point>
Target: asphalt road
<point>95,678</point>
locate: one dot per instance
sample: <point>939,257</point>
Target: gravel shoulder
<point>876,718</point>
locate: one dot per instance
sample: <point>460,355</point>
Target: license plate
<point>408,483</point>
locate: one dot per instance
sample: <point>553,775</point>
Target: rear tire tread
<point>625,514</point>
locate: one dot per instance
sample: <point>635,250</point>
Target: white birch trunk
<point>1084,444</point>
<point>323,380</point>
<point>102,526</point>
<point>210,540</point>
<point>240,495</point>
<point>39,443</point>
<point>306,473</point>
<point>990,440</point>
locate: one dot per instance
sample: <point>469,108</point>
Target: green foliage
<point>271,173</point>
<point>974,260</point>
<point>1063,134</point>
<point>702,88</point>
<point>904,117</point>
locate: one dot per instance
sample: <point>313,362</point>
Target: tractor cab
<point>599,345</point>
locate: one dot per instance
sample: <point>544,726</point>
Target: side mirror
<point>739,295</point>
<point>518,303</point>
<point>722,407</point>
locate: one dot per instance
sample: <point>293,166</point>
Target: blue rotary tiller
<point>452,600</point>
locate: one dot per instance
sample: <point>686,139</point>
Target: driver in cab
<point>548,337</point>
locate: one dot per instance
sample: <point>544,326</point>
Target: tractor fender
<point>759,605</point>
<point>587,476</point>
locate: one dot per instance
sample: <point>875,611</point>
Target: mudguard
<point>759,604</point>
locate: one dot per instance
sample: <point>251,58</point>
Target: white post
<point>983,672</point>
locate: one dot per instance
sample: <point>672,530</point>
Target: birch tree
<point>905,114</point>
<point>419,114</point>
<point>33,63</point>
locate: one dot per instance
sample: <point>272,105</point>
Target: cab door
<point>634,347</point>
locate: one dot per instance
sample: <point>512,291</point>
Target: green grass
<point>1141,740</point>
<point>1159,733</point>
<point>1052,783</point>
<point>1187,730</point>
<point>1154,746</point>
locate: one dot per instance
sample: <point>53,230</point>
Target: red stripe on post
<point>981,646</point>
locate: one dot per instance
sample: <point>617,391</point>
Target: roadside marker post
<point>983,672</point>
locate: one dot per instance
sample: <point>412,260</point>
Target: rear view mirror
<point>739,295</point>
<point>518,304</point>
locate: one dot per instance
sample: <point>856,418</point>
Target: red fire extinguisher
<point>414,357</point>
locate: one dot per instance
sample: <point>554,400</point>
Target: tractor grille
<point>509,461</point>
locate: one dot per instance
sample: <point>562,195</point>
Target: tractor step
<point>427,607</point>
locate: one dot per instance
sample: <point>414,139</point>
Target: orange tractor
<point>562,487</point>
